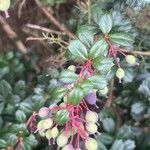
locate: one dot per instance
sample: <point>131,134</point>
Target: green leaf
<point>122,39</point>
<point>5,88</point>
<point>75,96</point>
<point>98,49</point>
<point>106,138</point>
<point>138,109</point>
<point>106,23</point>
<point>2,105</point>
<point>58,93</point>
<point>129,144</point>
<point>103,64</point>
<point>78,50</point>
<point>117,145</point>
<point>19,128</point>
<point>30,140</point>
<point>20,116</point>
<point>86,35</point>
<point>101,146</point>
<point>20,88</point>
<point>3,143</point>
<point>108,125</point>
<point>125,132</point>
<point>68,76</point>
<point>86,86</point>
<point>61,117</point>
<point>96,12</point>
<point>11,138</point>
<point>99,82</point>
<point>25,107</point>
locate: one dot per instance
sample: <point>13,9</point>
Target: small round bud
<point>91,144</point>
<point>68,147</point>
<point>91,128</point>
<point>54,132</point>
<point>65,98</point>
<point>91,116</point>
<point>48,134</point>
<point>91,98</point>
<point>130,59</point>
<point>62,140</point>
<point>47,123</point>
<point>40,125</point>
<point>44,112</point>
<point>72,68</point>
<point>62,104</point>
<point>42,133</point>
<point>120,73</point>
<point>104,91</point>
<point>52,106</point>
<point>4,5</point>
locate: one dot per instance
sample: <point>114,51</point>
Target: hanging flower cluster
<point>69,122</point>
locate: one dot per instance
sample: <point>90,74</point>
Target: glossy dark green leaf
<point>99,82</point>
<point>138,109</point>
<point>98,49</point>
<point>129,144</point>
<point>5,88</point>
<point>108,125</point>
<point>103,64</point>
<point>86,86</point>
<point>121,39</point>
<point>68,76</point>
<point>106,23</point>
<point>78,50</point>
<point>2,106</point>
<point>118,145</point>
<point>85,34</point>
<point>106,139</point>
<point>96,12</point>
<point>3,143</point>
<point>58,93</point>
<point>61,117</point>
<point>75,96</point>
<point>101,146</point>
<point>20,116</point>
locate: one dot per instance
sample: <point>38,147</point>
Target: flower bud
<point>91,98</point>
<point>120,73</point>
<point>42,133</point>
<point>68,147</point>
<point>91,128</point>
<point>91,144</point>
<point>4,5</point>
<point>104,91</point>
<point>91,116</point>
<point>40,125</point>
<point>62,140</point>
<point>48,134</point>
<point>47,123</point>
<point>130,59</point>
<point>72,68</point>
<point>44,112</point>
<point>62,104</point>
<point>54,132</point>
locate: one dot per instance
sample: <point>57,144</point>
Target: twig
<point>37,27</point>
<point>12,35</point>
<point>137,52</point>
<point>110,96</point>
<point>54,20</point>
<point>20,8</point>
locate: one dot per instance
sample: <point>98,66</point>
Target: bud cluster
<point>66,125</point>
